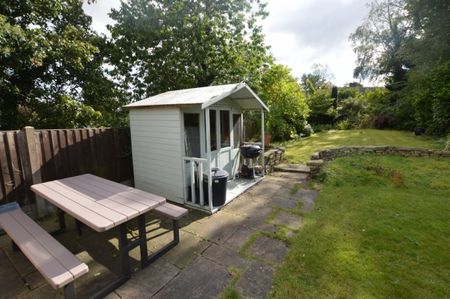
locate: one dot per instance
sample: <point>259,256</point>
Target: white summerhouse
<point>179,135</point>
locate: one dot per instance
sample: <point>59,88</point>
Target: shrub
<point>383,121</point>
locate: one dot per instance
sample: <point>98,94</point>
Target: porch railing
<point>196,168</point>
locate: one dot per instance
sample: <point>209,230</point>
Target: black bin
<point>219,186</point>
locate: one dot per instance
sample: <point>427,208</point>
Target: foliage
<point>322,108</point>
<point>165,45</point>
<point>319,78</point>
<point>300,151</point>
<point>286,101</point>
<point>407,43</point>
<point>374,220</point>
<point>48,56</point>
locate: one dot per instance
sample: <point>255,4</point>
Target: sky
<point>300,32</point>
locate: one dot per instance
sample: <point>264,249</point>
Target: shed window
<point>213,132</point>
<point>192,134</point>
<point>224,128</point>
<point>237,130</point>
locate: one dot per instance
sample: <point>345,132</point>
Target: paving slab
<point>239,238</point>
<point>216,228</point>
<point>268,249</point>
<point>258,218</point>
<point>225,256</point>
<point>308,197</point>
<point>98,277</point>
<point>265,189</point>
<point>203,279</point>
<point>189,248</point>
<point>148,281</point>
<point>10,282</point>
<point>287,219</point>
<point>286,203</point>
<point>34,280</point>
<point>244,206</point>
<point>256,282</point>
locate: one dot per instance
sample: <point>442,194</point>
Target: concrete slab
<point>287,219</point>
<point>148,281</point>
<point>203,279</point>
<point>256,282</point>
<point>268,249</point>
<point>225,256</point>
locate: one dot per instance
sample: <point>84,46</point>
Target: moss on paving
<point>230,292</point>
<point>379,228</point>
<point>300,151</point>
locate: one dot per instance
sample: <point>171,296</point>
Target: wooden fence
<point>31,156</point>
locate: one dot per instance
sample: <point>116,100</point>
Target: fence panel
<point>60,153</point>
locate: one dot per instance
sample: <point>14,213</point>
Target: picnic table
<point>102,205</point>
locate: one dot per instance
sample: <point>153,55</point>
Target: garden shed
<point>179,136</point>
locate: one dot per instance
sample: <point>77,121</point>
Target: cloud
<point>300,32</point>
<point>305,32</point>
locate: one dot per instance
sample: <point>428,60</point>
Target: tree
<point>379,42</point>
<point>48,56</point>
<point>319,78</point>
<point>286,101</point>
<point>407,42</point>
<point>164,45</point>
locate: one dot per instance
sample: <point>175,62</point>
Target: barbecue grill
<point>249,152</point>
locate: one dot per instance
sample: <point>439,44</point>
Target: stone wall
<point>318,158</point>
<point>273,157</point>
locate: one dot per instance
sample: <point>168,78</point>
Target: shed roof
<point>205,96</point>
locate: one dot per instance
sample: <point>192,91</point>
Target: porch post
<point>208,156</point>
<point>241,142</point>
<point>262,142</point>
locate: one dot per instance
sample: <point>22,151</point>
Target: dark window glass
<point>213,131</point>
<point>192,134</point>
<point>224,128</point>
<point>237,130</point>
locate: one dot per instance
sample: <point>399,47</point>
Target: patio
<point>237,248</point>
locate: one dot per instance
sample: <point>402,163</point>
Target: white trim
<point>228,94</point>
<point>262,142</point>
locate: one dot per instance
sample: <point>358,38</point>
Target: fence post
<point>32,167</point>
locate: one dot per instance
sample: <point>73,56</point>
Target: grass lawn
<point>380,227</point>
<point>299,151</point>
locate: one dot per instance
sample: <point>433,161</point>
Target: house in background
<point>179,136</point>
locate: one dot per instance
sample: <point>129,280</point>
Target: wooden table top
<point>99,203</point>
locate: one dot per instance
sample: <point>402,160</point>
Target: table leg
<point>61,220</point>
<point>123,248</point>
<point>124,263</point>
<point>143,240</point>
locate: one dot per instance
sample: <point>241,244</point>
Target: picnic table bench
<point>56,264</point>
<point>102,205</point>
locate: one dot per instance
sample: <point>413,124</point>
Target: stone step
<point>315,163</point>
<point>297,168</point>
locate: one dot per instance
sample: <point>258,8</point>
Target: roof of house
<point>205,96</point>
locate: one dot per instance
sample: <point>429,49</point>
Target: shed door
<point>222,151</point>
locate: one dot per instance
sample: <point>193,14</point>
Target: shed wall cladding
<point>156,146</point>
